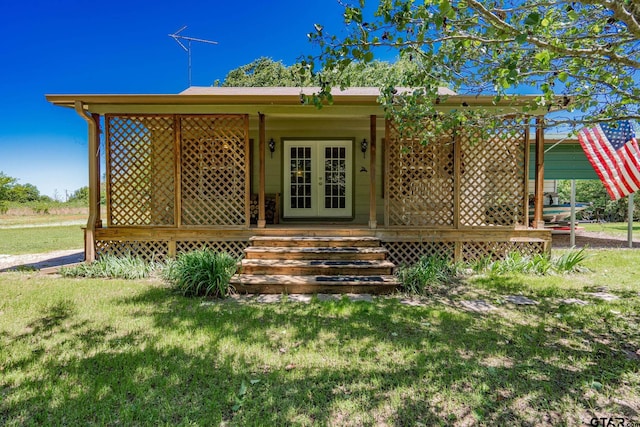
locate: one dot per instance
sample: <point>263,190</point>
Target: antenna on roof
<point>177,37</point>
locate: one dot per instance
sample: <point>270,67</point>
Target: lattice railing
<point>213,166</point>
<point>408,253</point>
<point>426,181</point>
<point>420,180</point>
<point>235,248</point>
<point>140,169</point>
<point>492,179</point>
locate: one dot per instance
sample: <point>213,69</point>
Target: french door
<point>318,179</point>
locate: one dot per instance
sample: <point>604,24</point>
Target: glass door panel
<point>318,179</point>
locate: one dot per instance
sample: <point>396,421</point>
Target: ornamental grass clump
<point>111,266</point>
<point>538,264</point>
<point>570,262</point>
<point>427,276</point>
<point>201,273</point>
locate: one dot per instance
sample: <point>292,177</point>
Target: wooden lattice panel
<point>213,168</point>
<point>499,250</point>
<point>232,247</point>
<point>147,250</point>
<point>140,170</point>
<point>408,253</point>
<point>492,183</point>
<point>420,180</point>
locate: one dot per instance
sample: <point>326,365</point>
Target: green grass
<point>16,241</point>
<point>615,228</point>
<point>95,351</point>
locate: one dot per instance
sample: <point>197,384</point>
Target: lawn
<point>29,240</point>
<point>130,352</point>
<point>615,228</point>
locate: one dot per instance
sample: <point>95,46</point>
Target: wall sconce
<point>272,146</point>
<point>363,147</point>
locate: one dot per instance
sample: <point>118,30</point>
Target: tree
<point>264,72</point>
<point>80,195</point>
<point>579,55</point>
<point>602,207</point>
<point>23,193</point>
<point>6,183</point>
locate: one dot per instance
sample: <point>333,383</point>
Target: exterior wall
<point>356,128</point>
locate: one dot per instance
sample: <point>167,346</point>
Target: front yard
<point>130,352</point>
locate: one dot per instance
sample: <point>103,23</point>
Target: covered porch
<point>181,171</point>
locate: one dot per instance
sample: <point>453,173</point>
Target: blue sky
<point>69,47</point>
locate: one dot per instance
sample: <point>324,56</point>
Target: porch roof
<point>279,99</point>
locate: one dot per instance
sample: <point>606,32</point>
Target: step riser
<point>314,289</point>
<point>292,264</point>
<point>311,255</point>
<point>316,271</point>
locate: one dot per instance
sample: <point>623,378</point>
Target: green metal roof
<point>564,161</point>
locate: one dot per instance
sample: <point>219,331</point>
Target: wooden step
<point>312,252</point>
<point>295,284</point>
<point>316,267</point>
<point>324,241</point>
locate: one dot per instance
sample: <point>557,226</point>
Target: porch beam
<point>262,222</point>
<point>538,221</point>
<point>373,223</point>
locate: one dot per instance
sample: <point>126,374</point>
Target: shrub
<point>201,273</point>
<point>4,207</point>
<point>539,264</point>
<point>111,266</point>
<point>570,261</point>
<point>427,275</point>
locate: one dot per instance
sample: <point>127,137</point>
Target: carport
<point>564,159</point>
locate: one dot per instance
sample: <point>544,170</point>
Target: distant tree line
<point>12,191</point>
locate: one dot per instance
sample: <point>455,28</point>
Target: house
<point>182,170</point>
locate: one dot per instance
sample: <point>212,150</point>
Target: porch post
<point>262,222</point>
<point>373,223</point>
<point>94,182</point>
<point>96,177</point>
<point>538,221</point>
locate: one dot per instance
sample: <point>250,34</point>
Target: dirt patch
<point>593,239</point>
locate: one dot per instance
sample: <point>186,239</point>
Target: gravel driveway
<point>40,261</point>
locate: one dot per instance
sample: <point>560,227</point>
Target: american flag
<point>613,151</point>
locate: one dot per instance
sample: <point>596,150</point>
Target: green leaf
<point>596,385</point>
<point>521,38</point>
<point>368,57</point>
<point>545,22</point>
<point>532,19</point>
<point>563,76</point>
<point>543,57</point>
<point>445,7</point>
<point>243,389</point>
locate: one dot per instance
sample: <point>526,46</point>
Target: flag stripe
<point>599,163</point>
<point>613,152</point>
